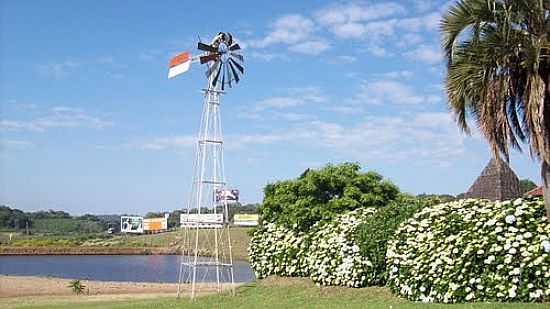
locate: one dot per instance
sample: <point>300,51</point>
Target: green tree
<point>498,72</point>
<point>527,185</point>
<point>13,218</point>
<point>154,215</point>
<point>321,194</point>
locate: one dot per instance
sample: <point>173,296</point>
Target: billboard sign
<point>131,224</point>
<point>245,219</point>
<point>226,195</point>
<point>155,224</point>
<point>201,220</point>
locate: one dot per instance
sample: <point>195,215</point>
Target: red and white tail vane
<point>179,64</point>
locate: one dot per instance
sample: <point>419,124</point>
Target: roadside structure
<point>496,182</point>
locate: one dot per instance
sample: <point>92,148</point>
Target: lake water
<point>138,268</point>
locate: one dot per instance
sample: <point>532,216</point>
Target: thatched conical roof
<point>496,182</point>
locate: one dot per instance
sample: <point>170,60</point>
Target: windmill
<point>206,254</point>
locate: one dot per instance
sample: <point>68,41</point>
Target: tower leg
<point>210,251</point>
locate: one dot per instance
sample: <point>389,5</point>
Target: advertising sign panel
<point>202,220</point>
<point>155,224</point>
<point>131,224</point>
<point>226,195</point>
<point>245,219</point>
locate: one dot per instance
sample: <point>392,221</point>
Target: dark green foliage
<point>526,185</point>
<point>89,217</point>
<point>437,198</point>
<point>373,235</point>
<point>321,194</point>
<point>174,218</point>
<point>50,214</point>
<point>12,219</point>
<point>67,225</point>
<point>154,215</point>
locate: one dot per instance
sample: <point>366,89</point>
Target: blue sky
<point>89,122</point>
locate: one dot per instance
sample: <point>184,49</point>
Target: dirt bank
<point>17,286</point>
<point>5,250</point>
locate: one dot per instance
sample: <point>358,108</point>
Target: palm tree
<point>498,74</point>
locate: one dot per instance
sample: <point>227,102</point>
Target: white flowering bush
<point>334,256</point>
<point>275,250</point>
<point>329,254</point>
<point>473,250</point>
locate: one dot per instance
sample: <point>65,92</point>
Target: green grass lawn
<point>266,294</point>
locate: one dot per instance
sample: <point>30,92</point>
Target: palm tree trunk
<point>545,176</point>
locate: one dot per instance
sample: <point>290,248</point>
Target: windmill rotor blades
<point>215,80</point>
<point>206,47</point>
<point>234,72</point>
<point>223,76</point>
<point>234,47</point>
<point>239,67</point>
<point>212,68</point>
<point>238,56</point>
<point>207,58</point>
<point>229,39</point>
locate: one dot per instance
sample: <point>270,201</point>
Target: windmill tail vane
<point>222,56</point>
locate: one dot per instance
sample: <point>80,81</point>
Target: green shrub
<point>276,250</point>
<point>334,256</point>
<point>473,250</point>
<point>374,234</point>
<point>328,253</point>
<point>77,287</point>
<point>322,194</point>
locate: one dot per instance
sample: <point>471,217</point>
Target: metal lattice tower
<point>206,254</point>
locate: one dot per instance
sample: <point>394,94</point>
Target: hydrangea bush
<point>473,250</point>
<point>334,255</point>
<point>275,250</point>
<point>329,254</point>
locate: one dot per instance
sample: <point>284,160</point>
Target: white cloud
<point>265,55</point>
<point>425,53</point>
<point>295,97</point>
<point>162,143</point>
<point>57,117</point>
<point>289,116</point>
<point>379,51</point>
<point>403,74</point>
<point>348,20</point>
<point>314,47</point>
<point>422,136</point>
<point>391,91</point>
<point>343,59</point>
<point>288,29</point>
<point>409,39</point>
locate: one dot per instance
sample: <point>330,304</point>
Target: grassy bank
<point>239,239</point>
<point>265,294</point>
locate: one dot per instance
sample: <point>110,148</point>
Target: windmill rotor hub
<point>222,50</point>
<point>225,62</point>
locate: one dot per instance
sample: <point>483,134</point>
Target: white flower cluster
<point>473,250</point>
<point>334,256</point>
<point>275,250</point>
<point>328,254</point>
